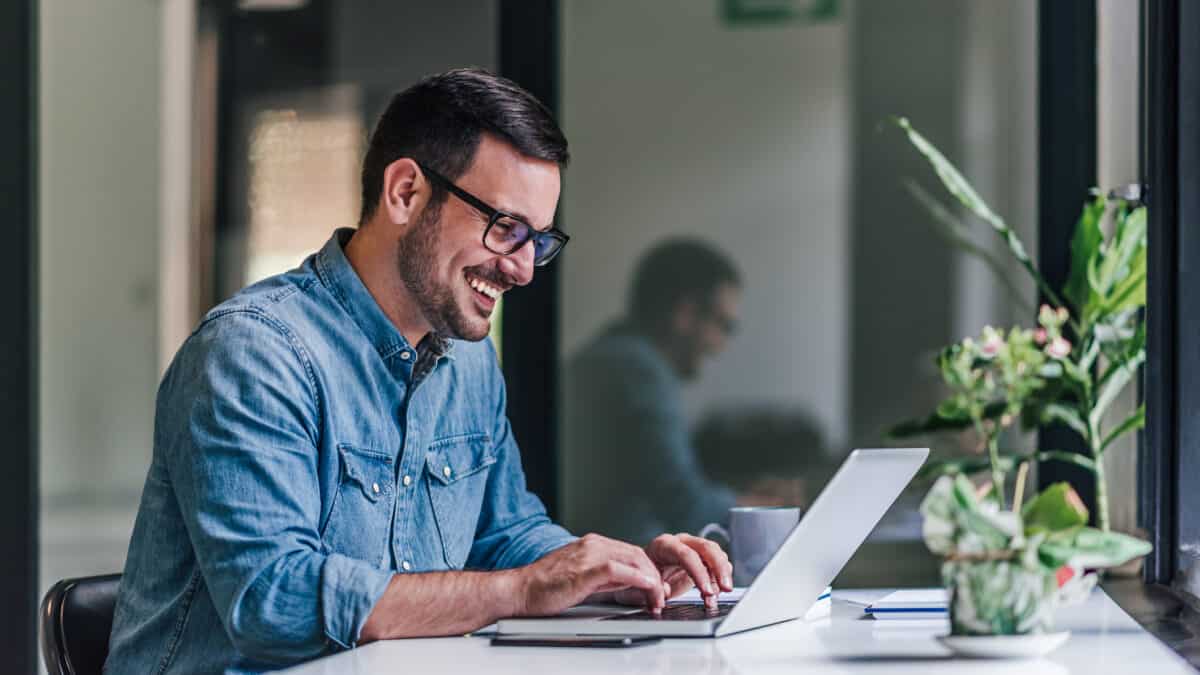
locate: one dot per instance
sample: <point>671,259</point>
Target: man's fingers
<point>635,556</point>
<point>614,574</point>
<point>691,561</point>
<point>677,579</point>
<point>714,559</point>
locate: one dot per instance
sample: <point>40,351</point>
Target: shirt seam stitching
<point>173,645</point>
<point>293,341</point>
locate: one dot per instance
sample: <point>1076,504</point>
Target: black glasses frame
<point>554,238</point>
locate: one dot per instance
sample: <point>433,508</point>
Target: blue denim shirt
<point>298,464</point>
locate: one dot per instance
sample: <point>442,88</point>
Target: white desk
<point>1104,640</point>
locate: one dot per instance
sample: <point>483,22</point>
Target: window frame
<point>19,491</point>
<point>1170,444</point>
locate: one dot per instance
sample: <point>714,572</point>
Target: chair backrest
<point>77,616</point>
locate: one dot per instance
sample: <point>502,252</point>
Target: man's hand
<point>685,560</point>
<point>586,567</point>
<point>593,567</point>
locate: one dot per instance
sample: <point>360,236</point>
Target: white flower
<point>1059,348</point>
<point>993,342</point>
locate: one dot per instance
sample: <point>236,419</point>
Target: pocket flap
<point>455,457</point>
<point>371,470</point>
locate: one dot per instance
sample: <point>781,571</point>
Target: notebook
<point>917,603</point>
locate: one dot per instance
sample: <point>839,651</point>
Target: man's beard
<point>416,259</point>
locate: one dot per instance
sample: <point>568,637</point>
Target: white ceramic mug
<point>755,533</point>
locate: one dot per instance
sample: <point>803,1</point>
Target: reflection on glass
<point>624,407</point>
<point>763,139</point>
<point>303,160</point>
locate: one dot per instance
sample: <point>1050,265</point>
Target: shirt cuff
<point>350,589</point>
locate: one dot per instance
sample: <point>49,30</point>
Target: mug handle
<point>717,529</point>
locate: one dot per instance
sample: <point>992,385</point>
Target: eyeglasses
<point>505,234</point>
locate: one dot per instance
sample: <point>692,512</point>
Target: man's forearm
<point>442,603</point>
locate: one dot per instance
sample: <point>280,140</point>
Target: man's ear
<point>404,191</point>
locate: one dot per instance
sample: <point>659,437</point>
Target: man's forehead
<point>524,186</point>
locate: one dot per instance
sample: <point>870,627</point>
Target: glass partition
<point>762,138</point>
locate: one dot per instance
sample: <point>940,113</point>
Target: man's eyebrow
<point>525,219</point>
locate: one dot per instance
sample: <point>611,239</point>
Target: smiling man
<point>332,462</point>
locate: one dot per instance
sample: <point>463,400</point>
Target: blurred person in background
<point>633,470</point>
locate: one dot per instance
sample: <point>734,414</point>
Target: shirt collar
<point>339,276</point>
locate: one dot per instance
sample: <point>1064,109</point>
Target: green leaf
<point>958,186</point>
<point>932,424</point>
<point>1117,329</point>
<point>1112,382</point>
<point>1056,508</point>
<point>1079,379</point>
<point>956,234</point>
<point>964,465</point>
<point>1115,261</point>
<point>1065,456</point>
<point>1085,246</point>
<point>1129,239</point>
<point>1130,292</point>
<point>1092,548</point>
<point>1057,412</point>
<point>947,417</point>
<point>1135,421</point>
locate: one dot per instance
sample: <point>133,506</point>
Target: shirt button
<point>375,487</point>
<point>404,356</point>
<point>407,481</point>
<point>446,471</point>
<point>406,566</point>
<point>383,561</point>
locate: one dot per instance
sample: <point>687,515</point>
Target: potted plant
<point>1009,570</point>
<point>1091,333</point>
<point>1009,564</point>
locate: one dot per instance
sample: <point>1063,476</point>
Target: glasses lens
<point>545,247</point>
<point>506,235</point>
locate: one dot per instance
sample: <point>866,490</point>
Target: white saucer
<point>1004,646</point>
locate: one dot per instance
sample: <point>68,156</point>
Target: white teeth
<point>484,287</point>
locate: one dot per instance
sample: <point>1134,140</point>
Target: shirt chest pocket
<point>457,469</point>
<point>360,516</point>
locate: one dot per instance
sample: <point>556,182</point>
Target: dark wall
<point>18,337</point>
<point>904,64</point>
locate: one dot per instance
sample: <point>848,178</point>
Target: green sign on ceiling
<point>768,12</point>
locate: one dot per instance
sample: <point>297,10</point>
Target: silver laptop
<point>830,532</point>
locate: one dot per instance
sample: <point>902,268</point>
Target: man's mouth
<point>486,289</point>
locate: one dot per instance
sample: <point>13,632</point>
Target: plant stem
<point>1019,490</point>
<point>1101,492</point>
<point>993,444</point>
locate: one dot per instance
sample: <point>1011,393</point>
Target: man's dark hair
<point>675,270</point>
<point>440,121</point>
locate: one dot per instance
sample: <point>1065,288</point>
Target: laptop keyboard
<point>688,612</point>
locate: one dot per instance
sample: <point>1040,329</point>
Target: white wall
<point>99,175</point>
<point>1117,160</point>
<point>999,108</point>
<point>99,200</point>
<point>680,124</point>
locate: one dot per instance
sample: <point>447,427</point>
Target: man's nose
<point>518,265</point>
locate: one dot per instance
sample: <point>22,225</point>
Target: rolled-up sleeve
<point>513,528</point>
<point>243,409</point>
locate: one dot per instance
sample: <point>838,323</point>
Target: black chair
<point>77,616</point>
